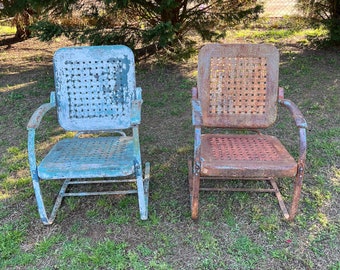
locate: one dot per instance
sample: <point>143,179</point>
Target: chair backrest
<point>95,86</point>
<point>238,85</point>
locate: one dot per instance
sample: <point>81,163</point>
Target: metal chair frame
<point>237,88</point>
<point>95,94</point>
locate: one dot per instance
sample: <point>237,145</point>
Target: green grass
<point>7,30</point>
<point>235,230</point>
<point>279,35</point>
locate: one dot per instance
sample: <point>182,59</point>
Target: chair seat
<point>245,156</point>
<point>88,158</point>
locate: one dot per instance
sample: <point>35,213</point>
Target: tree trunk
<point>22,21</point>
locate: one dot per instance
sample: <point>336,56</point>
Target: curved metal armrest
<point>296,113</point>
<point>32,125</point>
<point>302,125</point>
<point>37,116</point>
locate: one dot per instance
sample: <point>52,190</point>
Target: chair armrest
<point>302,125</point>
<point>32,125</point>
<point>296,113</point>
<point>196,109</point>
<point>37,116</point>
<point>136,107</point>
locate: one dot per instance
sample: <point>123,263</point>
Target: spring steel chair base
<point>48,220</point>
<point>95,97</point>
<point>237,89</point>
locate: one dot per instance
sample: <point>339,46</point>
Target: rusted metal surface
<point>237,88</point>
<point>238,83</point>
<point>95,93</point>
<point>301,124</point>
<point>234,155</point>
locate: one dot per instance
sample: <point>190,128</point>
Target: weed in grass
<point>153,221</point>
<point>15,183</point>
<point>77,228</point>
<point>13,96</point>
<point>335,266</point>
<point>144,250</point>
<point>245,253</point>
<point>62,215</point>
<point>118,218</point>
<point>46,83</point>
<point>207,243</point>
<point>155,264</point>
<point>229,218</point>
<point>45,246</point>
<point>72,202</point>
<point>280,254</point>
<point>106,254</point>
<point>321,197</point>
<point>4,211</point>
<point>104,203</point>
<point>257,213</point>
<point>210,264</point>
<point>23,259</point>
<point>242,199</point>
<point>322,218</point>
<point>135,262</point>
<point>335,180</point>
<point>15,159</point>
<point>270,224</point>
<point>93,213</point>
<point>10,240</point>
<point>172,208</point>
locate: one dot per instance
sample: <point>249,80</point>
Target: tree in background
<point>22,14</point>
<point>326,12</point>
<point>147,26</point>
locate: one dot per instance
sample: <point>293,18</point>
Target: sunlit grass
<point>7,30</point>
<point>9,88</point>
<point>279,35</point>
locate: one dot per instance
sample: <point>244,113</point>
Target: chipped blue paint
<point>196,112</point>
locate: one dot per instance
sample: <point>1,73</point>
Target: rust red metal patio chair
<point>237,89</point>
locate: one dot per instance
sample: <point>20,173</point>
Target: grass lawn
<point>235,230</point>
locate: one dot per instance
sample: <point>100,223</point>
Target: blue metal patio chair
<point>95,95</point>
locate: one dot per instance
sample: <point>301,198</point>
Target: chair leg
<point>296,196</point>
<point>279,198</point>
<point>194,186</point>
<point>40,202</point>
<point>146,185</point>
<point>190,176</point>
<point>141,193</point>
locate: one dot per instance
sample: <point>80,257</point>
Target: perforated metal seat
<point>90,157</point>
<point>96,97</point>
<point>251,156</point>
<point>237,88</point>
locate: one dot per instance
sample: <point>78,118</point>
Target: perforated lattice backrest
<point>238,85</point>
<point>95,87</point>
